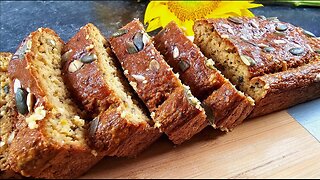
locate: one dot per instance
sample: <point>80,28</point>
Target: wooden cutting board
<point>272,146</point>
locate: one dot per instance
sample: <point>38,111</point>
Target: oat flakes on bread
<point>227,106</point>
<point>50,139</point>
<point>175,111</point>
<point>259,54</point>
<point>8,117</point>
<point>120,126</point>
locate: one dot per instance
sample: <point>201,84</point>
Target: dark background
<point>19,18</point>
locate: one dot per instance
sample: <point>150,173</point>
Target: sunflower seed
<point>317,79</point>
<point>137,41</point>
<point>16,85</point>
<point>138,77</point>
<point>66,56</point>
<point>6,89</point>
<point>120,32</point>
<point>225,36</point>
<point>31,100</point>
<point>281,27</point>
<point>247,60</point>
<point>261,45</point>
<point>308,33</point>
<point>272,18</point>
<point>296,51</point>
<point>247,41</point>
<point>210,63</point>
<point>235,20</point>
<point>21,101</point>
<point>88,58</point>
<point>279,33</point>
<point>254,24</point>
<point>93,126</point>
<point>268,49</point>
<point>51,42</point>
<point>226,26</point>
<point>154,65</point>
<point>11,137</point>
<point>75,66</point>
<point>279,41</point>
<point>183,65</point>
<point>175,52</point>
<point>145,39</point>
<point>131,48</point>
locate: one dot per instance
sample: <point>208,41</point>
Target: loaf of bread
<point>7,118</point>
<point>173,108</point>
<point>50,139</point>
<point>259,55</point>
<point>228,106</point>
<point>120,127</point>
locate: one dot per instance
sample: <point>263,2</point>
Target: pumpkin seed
<point>88,58</point>
<point>93,126</point>
<point>131,48</point>
<point>317,51</point>
<point>137,41</point>
<point>281,27</point>
<point>138,77</point>
<point>31,100</point>
<point>6,89</point>
<point>183,65</point>
<point>296,51</point>
<point>120,32</point>
<point>308,33</point>
<point>75,66</point>
<point>235,20</point>
<point>247,60</point>
<point>154,65</point>
<point>209,113</point>
<point>268,49</point>
<point>21,101</point>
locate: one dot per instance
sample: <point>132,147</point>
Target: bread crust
<point>111,134</point>
<point>33,152</point>
<point>205,81</point>
<point>157,86</point>
<point>285,77</point>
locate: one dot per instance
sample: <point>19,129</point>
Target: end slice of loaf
<point>120,127</point>
<point>8,117</point>
<point>228,106</point>
<point>173,108</point>
<point>248,48</point>
<point>51,139</point>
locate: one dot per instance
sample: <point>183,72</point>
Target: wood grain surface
<point>273,146</point>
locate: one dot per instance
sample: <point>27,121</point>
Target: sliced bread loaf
<point>51,139</point>
<point>120,127</point>
<point>173,108</point>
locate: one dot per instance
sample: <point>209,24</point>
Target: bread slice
<point>248,48</point>
<point>173,108</point>
<point>51,139</point>
<point>120,127</point>
<point>7,118</point>
<point>228,106</point>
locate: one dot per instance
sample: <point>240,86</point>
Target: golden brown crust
<point>8,118</point>
<point>285,89</point>
<point>117,137</point>
<point>33,152</point>
<point>201,79</point>
<point>86,84</point>
<point>110,133</point>
<point>154,82</point>
<point>205,81</point>
<point>249,37</point>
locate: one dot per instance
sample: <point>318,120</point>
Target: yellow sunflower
<point>184,13</point>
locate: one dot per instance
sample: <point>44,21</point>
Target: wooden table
<point>273,146</point>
